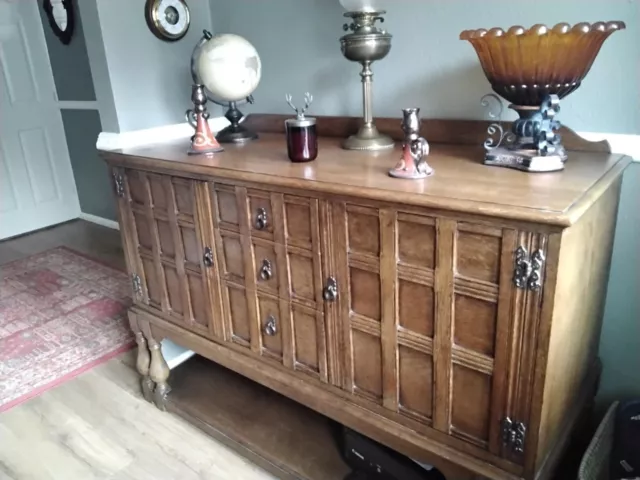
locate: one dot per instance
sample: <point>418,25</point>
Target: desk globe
<point>230,69</point>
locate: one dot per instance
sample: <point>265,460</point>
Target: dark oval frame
<point>66,34</point>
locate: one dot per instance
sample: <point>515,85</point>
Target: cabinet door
<point>169,249</point>
<point>269,245</point>
<point>434,328</point>
<point>493,334</point>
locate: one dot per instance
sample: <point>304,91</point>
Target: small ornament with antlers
<point>302,136</point>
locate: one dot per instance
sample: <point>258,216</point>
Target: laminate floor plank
<point>97,426</point>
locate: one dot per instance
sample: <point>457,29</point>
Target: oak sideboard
<point>454,319</point>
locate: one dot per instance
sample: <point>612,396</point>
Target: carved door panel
<point>488,346</point>
<point>170,254</point>
<point>359,263</point>
<point>433,326</point>
<point>269,244</point>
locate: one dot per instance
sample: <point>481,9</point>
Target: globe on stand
<point>230,69</point>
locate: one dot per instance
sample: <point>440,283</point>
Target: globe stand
<point>235,133</point>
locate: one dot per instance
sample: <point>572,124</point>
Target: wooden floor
<point>97,426</point>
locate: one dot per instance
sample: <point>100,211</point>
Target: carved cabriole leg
<point>143,360</point>
<point>159,373</point>
<point>142,364</point>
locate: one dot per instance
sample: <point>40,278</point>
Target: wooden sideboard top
<point>460,183</point>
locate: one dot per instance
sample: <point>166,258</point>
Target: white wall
<point>149,78</point>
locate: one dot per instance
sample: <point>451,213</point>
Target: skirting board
<point>99,220</point>
<point>175,354</point>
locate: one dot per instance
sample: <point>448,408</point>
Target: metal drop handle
<point>266,272</point>
<point>270,327</point>
<point>208,257</point>
<point>262,221</point>
<point>330,292</point>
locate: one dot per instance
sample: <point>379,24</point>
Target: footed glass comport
<point>534,69</point>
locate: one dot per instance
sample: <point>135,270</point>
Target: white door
<point>37,188</point>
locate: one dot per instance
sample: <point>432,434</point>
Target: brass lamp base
<point>368,139</point>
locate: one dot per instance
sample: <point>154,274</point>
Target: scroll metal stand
<point>533,144</point>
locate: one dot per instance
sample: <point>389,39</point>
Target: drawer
<point>260,214</point>
<point>288,219</point>
<point>266,268</point>
<point>271,321</point>
<point>287,332</point>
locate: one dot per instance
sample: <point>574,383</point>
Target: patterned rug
<point>61,313</point>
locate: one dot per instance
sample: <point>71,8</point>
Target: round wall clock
<point>61,18</point>
<point>168,19</point>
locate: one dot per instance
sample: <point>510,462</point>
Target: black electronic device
<point>372,461</point>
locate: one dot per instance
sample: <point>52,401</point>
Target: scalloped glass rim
<point>540,29</point>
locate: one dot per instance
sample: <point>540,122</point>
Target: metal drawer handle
<point>262,221</point>
<point>208,257</point>
<point>330,292</point>
<point>270,327</point>
<point>265,271</point>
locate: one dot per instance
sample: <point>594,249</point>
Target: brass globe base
<point>236,134</point>
<point>368,139</point>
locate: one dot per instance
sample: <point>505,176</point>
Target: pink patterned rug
<point>60,314</point>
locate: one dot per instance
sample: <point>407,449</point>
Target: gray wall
<point>74,82</point>
<point>99,69</point>
<point>70,63</point>
<point>620,342</point>
<point>91,174</point>
<point>150,78</point>
<point>428,66</point>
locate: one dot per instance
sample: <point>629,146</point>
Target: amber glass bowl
<point>526,65</point>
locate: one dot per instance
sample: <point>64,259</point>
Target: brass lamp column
<point>366,44</point>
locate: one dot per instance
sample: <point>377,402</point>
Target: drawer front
<point>260,214</point>
<point>427,319</point>
<point>266,268</point>
<point>271,321</point>
<point>166,248</point>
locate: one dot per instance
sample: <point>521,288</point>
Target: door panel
<point>415,383</point>
<point>431,322</point>
<point>471,403</point>
<point>269,245</point>
<point>37,188</point>
<point>168,245</point>
<point>367,361</point>
<point>309,341</point>
<point>236,306</point>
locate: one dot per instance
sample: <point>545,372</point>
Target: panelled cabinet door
<point>269,246</point>
<point>170,256</point>
<point>434,327</point>
<point>495,308</point>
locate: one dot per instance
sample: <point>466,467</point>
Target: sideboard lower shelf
<point>276,433</point>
